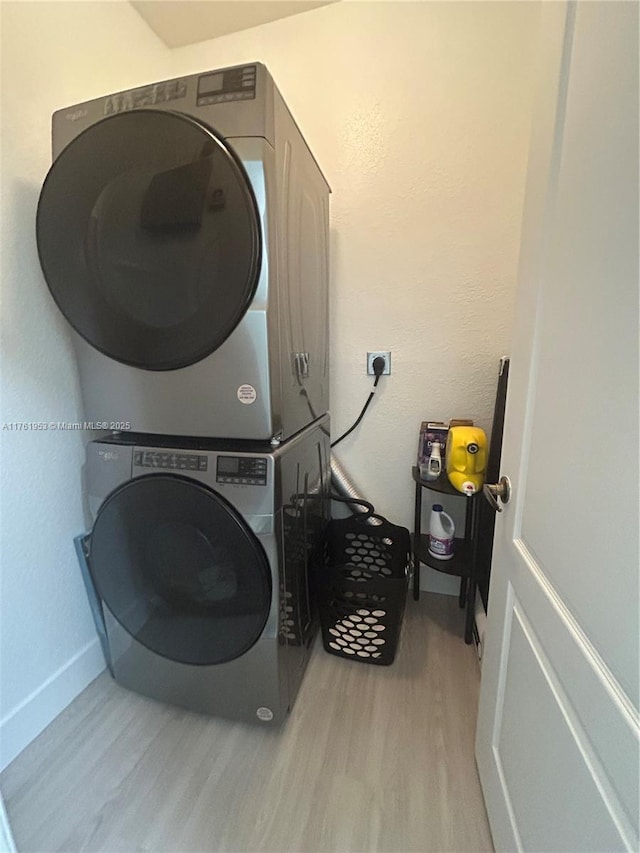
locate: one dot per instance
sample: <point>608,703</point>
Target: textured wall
<point>418,114</point>
<point>53,54</point>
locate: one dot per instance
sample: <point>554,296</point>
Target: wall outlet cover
<point>387,362</point>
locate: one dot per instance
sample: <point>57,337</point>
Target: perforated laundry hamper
<point>362,588</point>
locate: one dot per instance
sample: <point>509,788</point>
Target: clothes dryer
<point>183,233</point>
<point>198,566</point>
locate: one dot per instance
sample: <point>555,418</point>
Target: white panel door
<point>558,738</point>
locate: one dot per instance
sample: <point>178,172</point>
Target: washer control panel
<point>170,460</point>
<point>242,470</point>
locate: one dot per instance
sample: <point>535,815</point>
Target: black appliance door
<point>149,238</point>
<point>180,570</point>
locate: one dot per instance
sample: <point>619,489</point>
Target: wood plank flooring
<point>371,759</point>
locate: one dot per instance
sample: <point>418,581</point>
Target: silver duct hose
<point>344,486</point>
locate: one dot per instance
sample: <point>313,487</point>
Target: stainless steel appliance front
<point>183,233</point>
<point>202,579</point>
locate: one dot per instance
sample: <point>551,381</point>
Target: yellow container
<point>466,458</point>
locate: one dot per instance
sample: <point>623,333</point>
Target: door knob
<point>501,489</point>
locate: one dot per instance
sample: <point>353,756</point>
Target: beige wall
<point>52,54</point>
<point>419,115</point>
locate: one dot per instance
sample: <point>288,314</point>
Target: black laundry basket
<point>362,588</point>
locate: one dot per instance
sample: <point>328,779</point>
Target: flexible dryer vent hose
<point>343,485</point>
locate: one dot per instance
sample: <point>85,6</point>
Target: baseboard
<point>25,722</point>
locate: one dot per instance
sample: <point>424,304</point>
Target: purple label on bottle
<point>440,547</point>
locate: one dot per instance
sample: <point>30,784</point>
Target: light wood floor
<point>371,759</point>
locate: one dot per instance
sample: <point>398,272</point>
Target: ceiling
<point>181,22</point>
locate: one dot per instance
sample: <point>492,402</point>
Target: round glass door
<point>180,570</point>
<point>149,238</point>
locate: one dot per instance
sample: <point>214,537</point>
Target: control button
<point>202,463</point>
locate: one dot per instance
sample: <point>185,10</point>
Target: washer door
<point>180,570</point>
<point>149,238</point>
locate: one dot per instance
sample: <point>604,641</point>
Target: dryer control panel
<point>232,84</point>
<point>146,96</point>
<point>243,470</point>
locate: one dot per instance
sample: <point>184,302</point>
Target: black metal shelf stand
<point>464,561</point>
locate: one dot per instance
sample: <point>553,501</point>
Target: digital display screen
<point>232,84</point>
<point>210,84</point>
<point>228,464</point>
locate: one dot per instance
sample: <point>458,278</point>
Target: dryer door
<point>180,570</point>
<point>149,238</point>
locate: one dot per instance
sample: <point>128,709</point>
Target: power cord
<point>378,367</point>
<point>365,508</point>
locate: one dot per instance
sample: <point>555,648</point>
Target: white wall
<point>419,115</point>
<point>53,54</point>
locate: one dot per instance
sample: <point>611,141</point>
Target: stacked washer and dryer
<point>183,233</point>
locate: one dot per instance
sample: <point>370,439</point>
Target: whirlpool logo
<point>76,115</point>
<point>109,455</point>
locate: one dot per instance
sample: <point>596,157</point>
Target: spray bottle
<point>433,468</point>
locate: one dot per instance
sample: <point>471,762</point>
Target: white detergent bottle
<point>434,463</point>
<point>441,532</point>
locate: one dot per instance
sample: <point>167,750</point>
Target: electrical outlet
<point>387,362</point>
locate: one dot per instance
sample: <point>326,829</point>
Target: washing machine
<point>183,233</point>
<point>199,563</point>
